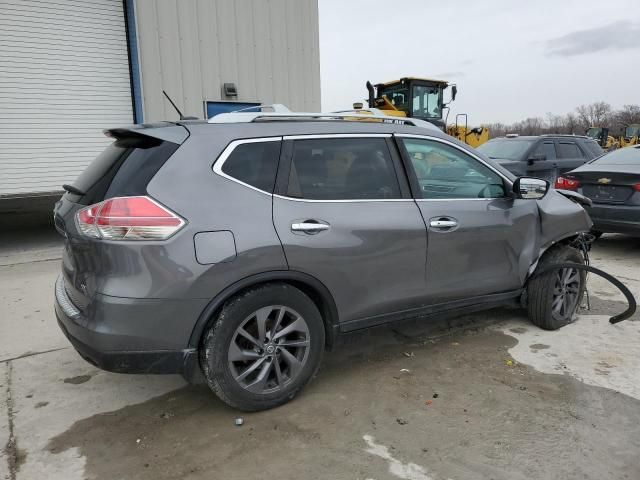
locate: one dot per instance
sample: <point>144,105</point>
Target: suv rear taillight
<point>566,183</point>
<point>128,218</point>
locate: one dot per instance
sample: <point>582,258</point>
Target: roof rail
<point>572,135</point>
<point>282,113</point>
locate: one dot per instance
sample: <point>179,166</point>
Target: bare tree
<point>595,114</point>
<point>627,115</point>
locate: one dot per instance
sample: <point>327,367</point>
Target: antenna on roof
<point>182,117</point>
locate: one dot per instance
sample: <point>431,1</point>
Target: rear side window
<point>593,148</point>
<point>254,164</point>
<point>342,169</point>
<point>547,149</point>
<point>569,150</point>
<point>124,168</point>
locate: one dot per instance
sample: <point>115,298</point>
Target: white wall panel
<point>268,48</point>
<point>64,77</point>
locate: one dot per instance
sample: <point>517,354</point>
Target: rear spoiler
<point>166,132</point>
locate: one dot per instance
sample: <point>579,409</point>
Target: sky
<point>510,59</point>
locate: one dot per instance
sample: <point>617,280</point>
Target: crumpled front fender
<point>560,218</point>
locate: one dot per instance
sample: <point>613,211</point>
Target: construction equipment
<point>471,136</point>
<point>423,98</point>
<point>601,135</point>
<point>631,135</point>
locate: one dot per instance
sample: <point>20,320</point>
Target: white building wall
<point>268,48</point>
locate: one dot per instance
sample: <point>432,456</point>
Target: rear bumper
<point>101,339</point>
<point>615,218</point>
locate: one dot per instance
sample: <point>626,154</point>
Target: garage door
<point>64,77</point>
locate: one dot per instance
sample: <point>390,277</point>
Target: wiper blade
<point>72,189</point>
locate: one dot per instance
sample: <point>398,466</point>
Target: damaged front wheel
<point>554,296</point>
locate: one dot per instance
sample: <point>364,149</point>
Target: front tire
<point>263,348</point>
<point>554,297</point>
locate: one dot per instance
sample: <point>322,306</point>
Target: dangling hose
<point>588,268</point>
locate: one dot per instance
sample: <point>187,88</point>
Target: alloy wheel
<point>269,349</point>
<point>565,293</point>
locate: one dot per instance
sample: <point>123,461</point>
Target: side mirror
<point>530,188</point>
<point>454,92</point>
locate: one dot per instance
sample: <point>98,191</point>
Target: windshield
<point>594,132</point>
<point>398,95</point>
<point>632,131</point>
<point>505,148</point>
<point>426,102</point>
<point>622,156</point>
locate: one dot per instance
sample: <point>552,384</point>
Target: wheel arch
<point>311,286</point>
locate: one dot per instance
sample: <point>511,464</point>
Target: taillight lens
<point>128,218</point>
<point>567,183</point>
<point>636,187</point>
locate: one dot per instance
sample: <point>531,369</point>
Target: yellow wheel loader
<point>631,135</point>
<point>601,135</point>
<point>423,98</point>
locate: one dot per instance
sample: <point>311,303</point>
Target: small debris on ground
<point>405,370</point>
<point>409,354</point>
<point>428,402</point>
<point>435,395</point>
<point>401,421</point>
<point>166,415</point>
<point>509,363</point>
<point>137,440</point>
<point>239,421</point>
<point>347,412</point>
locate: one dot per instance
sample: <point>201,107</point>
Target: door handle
<point>309,226</point>
<point>443,223</point>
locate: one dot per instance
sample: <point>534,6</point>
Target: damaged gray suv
<point>238,250</point>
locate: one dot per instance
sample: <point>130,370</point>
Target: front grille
<point>607,193</point>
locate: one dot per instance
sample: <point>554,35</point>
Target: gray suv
<point>543,156</point>
<point>238,250</point>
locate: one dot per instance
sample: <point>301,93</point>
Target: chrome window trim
<point>337,135</point>
<point>457,147</point>
<point>352,200</point>
<point>219,162</point>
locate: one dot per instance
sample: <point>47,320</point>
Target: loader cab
<point>412,97</point>
<point>632,131</point>
<point>599,134</point>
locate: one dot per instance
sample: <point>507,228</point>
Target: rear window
<point>506,148</point>
<point>124,168</point>
<point>569,150</point>
<point>254,164</point>
<point>622,156</point>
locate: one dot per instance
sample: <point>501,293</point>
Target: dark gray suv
<point>543,156</point>
<point>240,249</point>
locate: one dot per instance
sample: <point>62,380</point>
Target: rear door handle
<point>309,226</point>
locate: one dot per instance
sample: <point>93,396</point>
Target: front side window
<point>546,149</point>
<point>569,150</point>
<point>342,169</point>
<point>255,164</point>
<point>445,172</point>
<point>426,102</point>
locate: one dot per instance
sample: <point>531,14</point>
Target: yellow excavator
<point>631,135</point>
<point>423,98</point>
<point>601,135</point>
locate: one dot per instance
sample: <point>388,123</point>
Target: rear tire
<point>596,233</point>
<point>554,297</point>
<point>263,348</point>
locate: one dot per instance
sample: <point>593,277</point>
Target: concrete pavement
<point>495,398</point>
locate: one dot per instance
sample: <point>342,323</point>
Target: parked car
<point>612,182</point>
<point>239,249</point>
<point>544,156</point>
